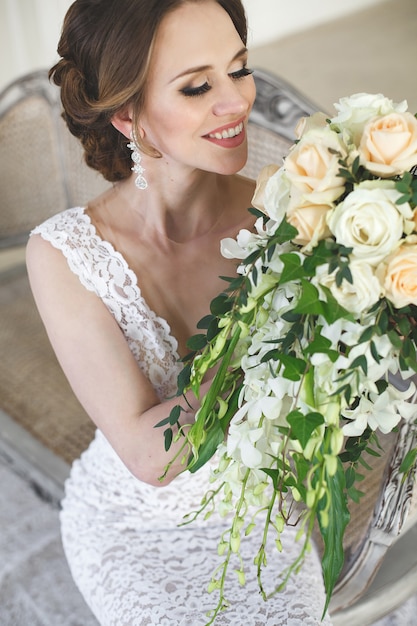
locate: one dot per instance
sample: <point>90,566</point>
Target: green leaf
<point>197,342</point>
<point>174,416</point>
<point>285,232</point>
<point>275,475</point>
<point>321,256</point>
<point>172,419</point>
<point>332,310</point>
<point>374,352</point>
<point>367,334</point>
<point>251,258</point>
<point>395,339</point>
<point>215,433</point>
<point>220,305</point>
<point>257,213</point>
<point>355,495</point>
<point>213,329</point>
<point>360,362</point>
<point>183,379</point>
<point>408,461</point>
<point>205,322</point>
<point>350,476</point>
<point>302,426</point>
<point>163,422</point>
<point>213,439</point>
<point>168,436</point>
<point>323,345</point>
<point>294,367</point>
<point>309,302</point>
<point>292,267</point>
<point>333,533</point>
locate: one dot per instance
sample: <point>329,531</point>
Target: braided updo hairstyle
<point>105,49</point>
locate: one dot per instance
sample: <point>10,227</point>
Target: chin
<point>232,165</point>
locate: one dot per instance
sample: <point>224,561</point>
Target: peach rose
<point>401,276</point>
<point>310,221</point>
<point>317,120</point>
<point>388,146</point>
<point>312,166</point>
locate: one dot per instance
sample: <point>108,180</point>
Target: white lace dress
<point>133,563</point>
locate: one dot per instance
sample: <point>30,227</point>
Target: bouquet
<point>307,339</point>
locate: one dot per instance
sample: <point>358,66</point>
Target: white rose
<point>369,221</point>
<point>355,111</point>
<point>356,297</point>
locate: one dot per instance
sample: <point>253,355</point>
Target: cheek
<point>250,90</point>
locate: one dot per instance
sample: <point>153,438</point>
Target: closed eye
<point>196,91</point>
<point>245,71</point>
<point>191,92</point>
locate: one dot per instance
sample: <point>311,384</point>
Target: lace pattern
<point>132,561</point>
<point>103,270</point>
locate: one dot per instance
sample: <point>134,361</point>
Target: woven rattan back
<point>271,132</point>
<point>42,170</point>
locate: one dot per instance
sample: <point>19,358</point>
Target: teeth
<point>227,134</point>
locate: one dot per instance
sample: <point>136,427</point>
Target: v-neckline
<point>135,284</point>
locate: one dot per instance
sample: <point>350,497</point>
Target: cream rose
<point>369,221</point>
<point>388,145</point>
<point>355,111</point>
<point>272,192</point>
<point>310,221</point>
<point>358,296</point>
<point>317,120</point>
<point>312,166</point>
<point>400,276</point>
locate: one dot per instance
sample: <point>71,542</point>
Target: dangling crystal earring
<point>140,180</point>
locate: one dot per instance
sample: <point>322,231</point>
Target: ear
<point>122,121</point>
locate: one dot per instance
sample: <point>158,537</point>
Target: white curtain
<point>29,33</point>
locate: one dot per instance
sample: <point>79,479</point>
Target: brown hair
<point>105,50</point>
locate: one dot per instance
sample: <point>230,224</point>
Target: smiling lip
<point>228,136</point>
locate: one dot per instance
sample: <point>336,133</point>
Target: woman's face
<point>199,92</point>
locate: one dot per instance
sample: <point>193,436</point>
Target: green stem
<point>222,599</point>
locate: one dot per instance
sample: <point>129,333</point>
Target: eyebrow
<point>203,68</point>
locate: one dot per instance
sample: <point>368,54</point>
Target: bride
<point>161,87</point>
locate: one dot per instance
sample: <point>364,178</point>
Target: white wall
<point>29,29</point>
<point>273,19</point>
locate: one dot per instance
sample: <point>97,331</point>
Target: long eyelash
<point>245,71</point>
<point>195,91</point>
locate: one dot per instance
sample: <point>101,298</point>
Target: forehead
<point>194,33</point>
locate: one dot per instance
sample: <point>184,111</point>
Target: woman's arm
<point>100,367</point>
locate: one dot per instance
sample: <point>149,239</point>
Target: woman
<point>121,284</point>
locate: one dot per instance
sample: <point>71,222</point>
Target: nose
<point>234,97</point>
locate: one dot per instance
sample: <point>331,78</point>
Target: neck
<point>179,211</point>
